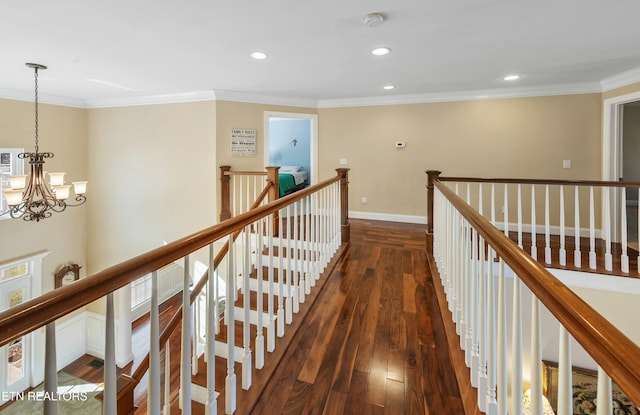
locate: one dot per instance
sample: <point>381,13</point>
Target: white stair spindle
<point>474,312</point>
<point>516,347</point>
<point>153,397</point>
<point>501,354</point>
<point>577,256</point>
<point>608,257</point>
<point>483,317</point>
<point>259,341</point>
<point>288,305</point>
<point>563,251</point>
<point>592,231</point>
<point>534,248</point>
<point>638,230</point>
<point>281,276</point>
<point>505,208</point>
<point>624,257</point>
<point>211,405</point>
<point>492,367</point>
<point>246,311</point>
<point>604,394</point>
<point>309,280</point>
<point>230,380</point>
<point>110,404</point>
<point>565,399</point>
<point>520,216</point>
<point>547,227</point>
<point>166,408</point>
<point>185,350</point>
<point>536,358</point>
<point>271,338</point>
<point>50,406</point>
<point>297,272</point>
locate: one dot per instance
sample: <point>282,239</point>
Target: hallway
<point>374,341</point>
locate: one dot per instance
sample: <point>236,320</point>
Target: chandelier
<point>28,196</point>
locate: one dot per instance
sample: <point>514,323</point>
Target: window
<point>10,165</point>
<point>140,291</point>
<point>15,271</point>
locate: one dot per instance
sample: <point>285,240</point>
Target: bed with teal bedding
<point>291,179</point>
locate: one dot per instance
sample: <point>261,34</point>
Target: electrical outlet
<point>364,200</point>
<point>343,162</point>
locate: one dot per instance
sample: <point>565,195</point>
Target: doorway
<point>292,139</point>
<point>621,140</point>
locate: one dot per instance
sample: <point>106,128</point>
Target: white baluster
<point>565,399</point>
<point>50,406</point>
<point>536,358</point>
<point>259,341</point>
<point>153,398</point>
<point>624,257</point>
<point>492,366</point>
<point>185,355</point>
<point>234,195</point>
<point>604,394</point>
<point>298,286</point>
<point>483,317</point>
<point>246,311</point>
<point>110,404</point>
<point>501,355</point>
<point>288,305</point>
<point>166,409</point>
<point>516,348</point>
<point>474,312</point>
<point>563,251</point>
<point>638,230</point>
<point>230,380</point>
<point>271,338</point>
<point>211,406</point>
<point>520,216</point>
<point>534,248</point>
<point>547,227</point>
<point>608,258</point>
<point>281,276</point>
<point>241,194</point>
<point>309,280</point>
<point>592,231</point>
<point>506,210</point>
<point>577,256</point>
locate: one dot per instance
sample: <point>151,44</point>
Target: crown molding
<point>568,89</point>
<point>42,98</point>
<point>151,100</point>
<point>622,79</point>
<point>223,95</point>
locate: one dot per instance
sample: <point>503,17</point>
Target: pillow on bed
<point>290,168</point>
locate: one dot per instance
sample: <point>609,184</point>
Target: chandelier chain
<point>36,101</point>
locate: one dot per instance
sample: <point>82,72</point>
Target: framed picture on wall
<point>243,142</point>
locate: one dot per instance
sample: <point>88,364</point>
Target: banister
<point>54,304</point>
<point>597,183</point>
<point>613,351</point>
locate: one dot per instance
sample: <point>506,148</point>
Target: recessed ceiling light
<point>380,51</point>
<point>258,55</point>
<point>513,77</point>
<point>388,87</point>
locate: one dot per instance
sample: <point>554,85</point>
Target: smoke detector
<point>373,19</point>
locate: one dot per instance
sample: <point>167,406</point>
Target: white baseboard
<point>391,217</point>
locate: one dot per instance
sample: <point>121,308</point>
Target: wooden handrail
<point>37,312</point>
<point>597,183</point>
<point>614,352</point>
<point>245,173</point>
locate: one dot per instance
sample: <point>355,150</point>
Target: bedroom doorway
<point>291,139</point>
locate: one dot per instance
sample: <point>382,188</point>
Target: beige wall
<point>627,89</point>
<point>154,171</point>
<point>519,137</point>
<point>63,131</point>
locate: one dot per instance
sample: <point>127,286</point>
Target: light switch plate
<point>566,164</point>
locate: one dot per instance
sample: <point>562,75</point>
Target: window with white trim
<point>140,291</point>
<point>10,165</point>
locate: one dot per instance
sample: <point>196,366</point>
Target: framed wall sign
<point>243,142</point>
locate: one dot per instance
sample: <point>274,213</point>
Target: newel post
<point>225,193</point>
<point>274,192</point>
<point>432,175</point>
<point>344,204</point>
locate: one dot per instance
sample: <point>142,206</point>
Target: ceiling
<point>98,51</point>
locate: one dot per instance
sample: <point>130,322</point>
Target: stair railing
<point>478,266</point>
<point>313,222</point>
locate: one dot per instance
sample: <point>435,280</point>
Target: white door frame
<point>313,137</point>
<point>612,150</point>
